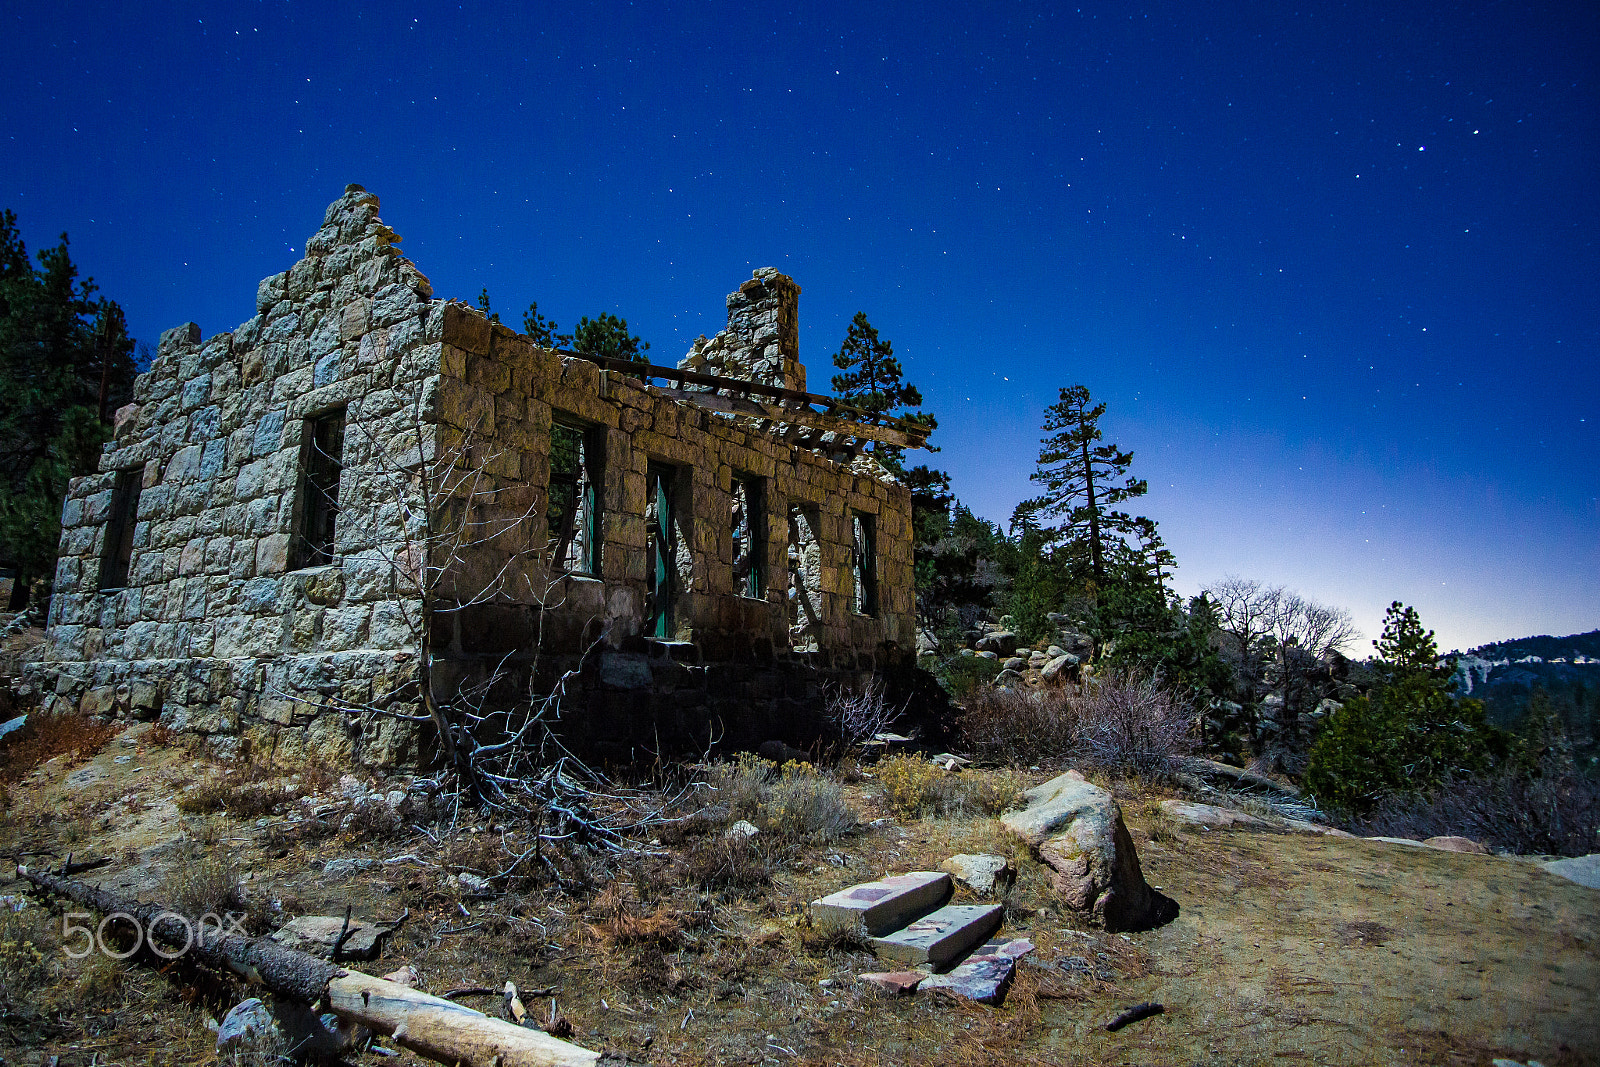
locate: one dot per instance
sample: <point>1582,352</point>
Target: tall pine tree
<point>66,363</point>
<point>1083,480</point>
<point>874,381</point>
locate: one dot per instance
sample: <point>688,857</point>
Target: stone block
<point>272,554</point>
<point>942,937</point>
<point>875,908</point>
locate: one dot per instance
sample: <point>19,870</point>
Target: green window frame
<point>573,512</point>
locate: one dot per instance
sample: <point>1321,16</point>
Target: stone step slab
<point>942,937</point>
<point>985,975</point>
<point>877,908</point>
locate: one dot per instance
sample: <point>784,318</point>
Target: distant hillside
<point>1504,675</point>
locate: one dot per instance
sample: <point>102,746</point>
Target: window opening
<point>661,551</point>
<point>864,563</point>
<point>805,578</point>
<point>321,463</point>
<point>117,554</point>
<point>749,537</point>
<point>574,516</point>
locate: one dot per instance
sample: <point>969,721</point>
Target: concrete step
<point>942,937</point>
<point>877,908</point>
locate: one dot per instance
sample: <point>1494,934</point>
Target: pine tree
<point>606,336</point>
<point>874,381</point>
<point>1404,647</point>
<point>540,330</point>
<point>1080,479</point>
<point>66,363</point>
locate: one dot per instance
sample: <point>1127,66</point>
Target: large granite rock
<point>1585,870</point>
<point>1076,829</point>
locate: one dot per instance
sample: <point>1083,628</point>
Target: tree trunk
<point>430,1026</point>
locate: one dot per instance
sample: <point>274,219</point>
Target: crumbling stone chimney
<point>762,341</point>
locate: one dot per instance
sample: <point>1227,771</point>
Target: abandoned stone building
<point>363,496</point>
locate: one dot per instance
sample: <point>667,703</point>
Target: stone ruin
<point>364,497</point>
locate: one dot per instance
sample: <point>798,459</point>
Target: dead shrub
<point>622,920</point>
<point>1553,810</point>
<point>734,865</point>
<point>1130,725</point>
<point>1020,726</point>
<point>244,792</point>
<point>859,715</point>
<point>204,878</point>
<point>44,737</point>
<point>804,806</point>
<point>372,820</point>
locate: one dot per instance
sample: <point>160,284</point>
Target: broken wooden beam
<point>430,1026</point>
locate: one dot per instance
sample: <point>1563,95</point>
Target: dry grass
<point>247,792</point>
<point>45,737</point>
<point>738,866</point>
<point>914,787</point>
<point>206,877</point>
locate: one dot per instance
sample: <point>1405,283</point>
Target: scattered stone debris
<point>985,975</point>
<point>900,983</point>
<point>316,934</point>
<point>983,874</point>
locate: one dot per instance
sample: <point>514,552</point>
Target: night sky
<point>1333,269</point>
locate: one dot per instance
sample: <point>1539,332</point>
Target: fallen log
<point>1212,768</point>
<point>427,1025</point>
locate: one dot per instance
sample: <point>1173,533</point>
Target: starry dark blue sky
<point>1333,268</point>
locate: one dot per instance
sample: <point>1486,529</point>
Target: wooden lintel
<point>812,420</point>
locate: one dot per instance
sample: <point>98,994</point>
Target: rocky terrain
<point>698,946</point>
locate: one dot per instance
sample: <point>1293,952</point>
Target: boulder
<point>1009,679</point>
<point>983,874</point>
<point>316,934</point>
<point>985,975</point>
<point>256,1026</point>
<point>1585,870</point>
<point>1001,643</point>
<point>1077,831</point>
<point>1058,669</point>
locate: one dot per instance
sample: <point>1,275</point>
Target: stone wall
<point>441,532</point>
<point>213,631</point>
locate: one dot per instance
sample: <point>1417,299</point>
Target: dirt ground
<point>1287,948</point>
